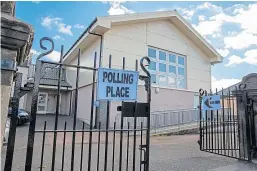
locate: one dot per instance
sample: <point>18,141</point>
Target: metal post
<point>12,133</point>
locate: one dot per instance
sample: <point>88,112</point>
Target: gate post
<point>247,110</point>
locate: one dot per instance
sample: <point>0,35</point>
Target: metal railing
<point>165,119</point>
<point>172,120</point>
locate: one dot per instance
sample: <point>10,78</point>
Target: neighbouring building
<point>181,59</point>
<point>47,95</point>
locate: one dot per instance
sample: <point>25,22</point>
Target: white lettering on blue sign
<point>211,102</point>
<point>117,85</point>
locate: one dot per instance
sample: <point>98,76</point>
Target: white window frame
<point>167,63</point>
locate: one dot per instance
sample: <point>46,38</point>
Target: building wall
<point>87,59</point>
<point>132,41</point>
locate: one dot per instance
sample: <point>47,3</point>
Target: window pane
<point>181,60</point>
<point>153,78</point>
<point>181,71</point>
<point>172,58</point>
<point>162,80</point>
<point>162,67</point>
<point>172,80</point>
<point>151,53</point>
<point>162,55</point>
<point>152,66</point>
<point>172,69</point>
<point>181,82</point>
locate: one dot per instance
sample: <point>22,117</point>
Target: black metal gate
<point>229,131</point>
<point>105,146</point>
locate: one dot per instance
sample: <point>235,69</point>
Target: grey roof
<point>49,76</point>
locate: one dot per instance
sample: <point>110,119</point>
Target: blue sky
<point>228,26</point>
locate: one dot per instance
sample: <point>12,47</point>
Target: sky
<point>230,27</point>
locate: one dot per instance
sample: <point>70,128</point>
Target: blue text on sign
<point>117,85</point>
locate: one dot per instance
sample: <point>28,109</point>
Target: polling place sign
<point>117,85</point>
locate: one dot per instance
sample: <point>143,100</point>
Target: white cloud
<point>54,56</point>
<point>118,9</point>
<point>223,52</point>
<point>57,37</point>
<point>201,17</point>
<point>49,22</point>
<point>209,6</point>
<point>163,9</point>
<point>34,52</point>
<point>62,28</point>
<point>250,57</point>
<point>36,2</point>
<point>233,60</point>
<point>240,41</point>
<point>223,83</point>
<point>187,14</point>
<point>79,26</point>
<point>245,18</point>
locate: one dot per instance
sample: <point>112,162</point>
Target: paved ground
<point>168,153</point>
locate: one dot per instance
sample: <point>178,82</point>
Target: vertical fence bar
<point>230,125</point>
<point>234,125</point>
<point>75,113</point>
<point>57,109</point>
<point>135,126</point>
<point>141,142</point>
<point>215,135</point>
<point>206,127</point>
<point>98,146</point>
<point>127,148</point>
<point>243,138</point>
<point>248,130</point>
<point>31,134</point>
<point>200,113</point>
<point>223,119</point>
<point>107,125</point>
<point>228,122</point>
<point>43,147</point>
<point>64,143</point>
<point>217,129</point>
<point>82,146</point>
<point>92,114</point>
<point>121,127</point>
<point>238,123</point>
<point>12,130</point>
<point>212,133</point>
<point>113,146</point>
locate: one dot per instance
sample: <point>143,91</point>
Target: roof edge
<point>80,37</point>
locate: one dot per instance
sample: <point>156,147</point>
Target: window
<point>167,69</point>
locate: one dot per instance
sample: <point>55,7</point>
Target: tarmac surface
<point>167,153</point>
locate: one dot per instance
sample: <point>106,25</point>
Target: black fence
<point>224,131</point>
<point>71,145</point>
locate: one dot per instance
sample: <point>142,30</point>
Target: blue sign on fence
<point>117,85</point>
<point>211,102</point>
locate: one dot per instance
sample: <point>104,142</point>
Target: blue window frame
<point>167,69</point>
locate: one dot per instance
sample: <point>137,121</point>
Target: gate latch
<point>143,148</point>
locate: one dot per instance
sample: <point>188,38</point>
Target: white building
<point>181,58</point>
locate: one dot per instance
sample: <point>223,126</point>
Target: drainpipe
<point>100,64</point>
